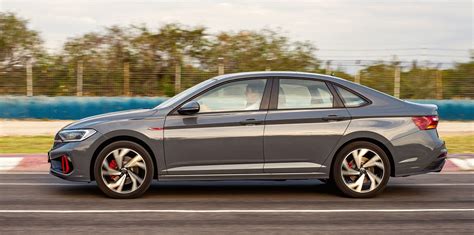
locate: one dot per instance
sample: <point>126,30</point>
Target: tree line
<point>152,54</point>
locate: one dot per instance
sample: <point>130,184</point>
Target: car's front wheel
<point>123,169</point>
<point>361,169</point>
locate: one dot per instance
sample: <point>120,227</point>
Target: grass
<point>41,144</point>
<point>460,143</point>
<point>25,144</point>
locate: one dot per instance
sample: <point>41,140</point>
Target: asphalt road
<point>434,203</point>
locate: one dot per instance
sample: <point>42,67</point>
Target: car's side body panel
<point>298,144</point>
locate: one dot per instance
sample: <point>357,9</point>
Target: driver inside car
<point>253,94</point>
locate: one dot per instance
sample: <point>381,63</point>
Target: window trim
<point>336,101</point>
<point>263,105</point>
<point>367,101</point>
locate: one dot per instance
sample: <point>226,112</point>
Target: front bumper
<point>79,157</point>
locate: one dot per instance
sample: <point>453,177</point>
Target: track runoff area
<point>34,201</point>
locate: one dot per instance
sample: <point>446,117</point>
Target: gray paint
<point>286,144</point>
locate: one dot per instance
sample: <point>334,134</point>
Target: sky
<point>342,30</point>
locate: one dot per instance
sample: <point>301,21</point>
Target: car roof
<point>232,76</point>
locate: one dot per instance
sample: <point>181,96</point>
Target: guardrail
<point>71,108</point>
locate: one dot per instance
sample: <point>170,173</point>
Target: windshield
<point>184,93</point>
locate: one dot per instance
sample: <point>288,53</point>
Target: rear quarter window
<point>349,98</point>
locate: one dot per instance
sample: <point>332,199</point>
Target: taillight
<point>426,122</point>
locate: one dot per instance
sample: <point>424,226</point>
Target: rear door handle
<point>334,118</point>
<point>251,121</point>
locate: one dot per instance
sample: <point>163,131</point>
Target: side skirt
<point>261,176</point>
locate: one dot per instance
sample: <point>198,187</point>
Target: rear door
<point>304,123</point>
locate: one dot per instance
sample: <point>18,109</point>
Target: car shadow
<point>236,190</point>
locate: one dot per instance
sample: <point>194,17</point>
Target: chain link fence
<point>84,78</point>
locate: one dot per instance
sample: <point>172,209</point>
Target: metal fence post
<point>79,77</point>
<point>126,78</point>
<point>328,67</point>
<point>357,77</point>
<point>269,61</point>
<point>396,85</point>
<point>177,78</point>
<point>439,84</point>
<point>357,74</point>
<point>29,77</point>
<point>220,66</point>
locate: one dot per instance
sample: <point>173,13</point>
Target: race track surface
<point>434,203</point>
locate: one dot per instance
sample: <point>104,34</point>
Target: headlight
<point>75,135</point>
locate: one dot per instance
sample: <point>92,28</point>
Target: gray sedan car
<point>256,126</point>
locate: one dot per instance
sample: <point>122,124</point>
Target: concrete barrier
<point>72,108</point>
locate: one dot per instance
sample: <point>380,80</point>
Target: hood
<point>107,117</point>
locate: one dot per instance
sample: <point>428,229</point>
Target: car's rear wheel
<point>123,169</point>
<point>361,169</point>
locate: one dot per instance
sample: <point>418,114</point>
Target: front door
<point>225,136</point>
<point>303,126</point>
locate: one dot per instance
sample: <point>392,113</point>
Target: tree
<point>259,50</point>
<point>458,82</point>
<point>378,76</point>
<point>17,41</point>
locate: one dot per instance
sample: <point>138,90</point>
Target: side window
<point>234,96</point>
<point>301,94</point>
<point>350,99</point>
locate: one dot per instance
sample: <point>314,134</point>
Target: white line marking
<point>85,183</point>
<point>241,211</point>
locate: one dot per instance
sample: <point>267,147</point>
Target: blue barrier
<point>69,108</point>
<point>452,109</point>
<point>79,107</point>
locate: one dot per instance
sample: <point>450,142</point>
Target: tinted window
<point>350,99</point>
<point>300,94</point>
<point>234,96</point>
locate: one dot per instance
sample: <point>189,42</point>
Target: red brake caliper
<point>350,166</point>
<point>113,165</point>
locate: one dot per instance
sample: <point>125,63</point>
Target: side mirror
<point>189,108</point>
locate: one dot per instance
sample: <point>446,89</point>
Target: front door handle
<point>251,121</point>
<point>334,118</point>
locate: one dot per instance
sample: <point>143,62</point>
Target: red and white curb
<point>24,163</point>
<point>39,163</point>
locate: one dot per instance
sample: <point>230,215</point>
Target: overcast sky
<point>377,28</point>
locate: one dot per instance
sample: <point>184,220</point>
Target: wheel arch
<point>123,138</point>
<point>377,140</point>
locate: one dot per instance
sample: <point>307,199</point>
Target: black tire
<point>339,180</point>
<point>148,175</point>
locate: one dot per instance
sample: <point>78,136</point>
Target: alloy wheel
<point>362,170</point>
<point>123,170</point>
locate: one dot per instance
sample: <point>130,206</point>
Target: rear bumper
<point>428,155</point>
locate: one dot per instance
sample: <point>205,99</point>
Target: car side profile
<point>256,126</point>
